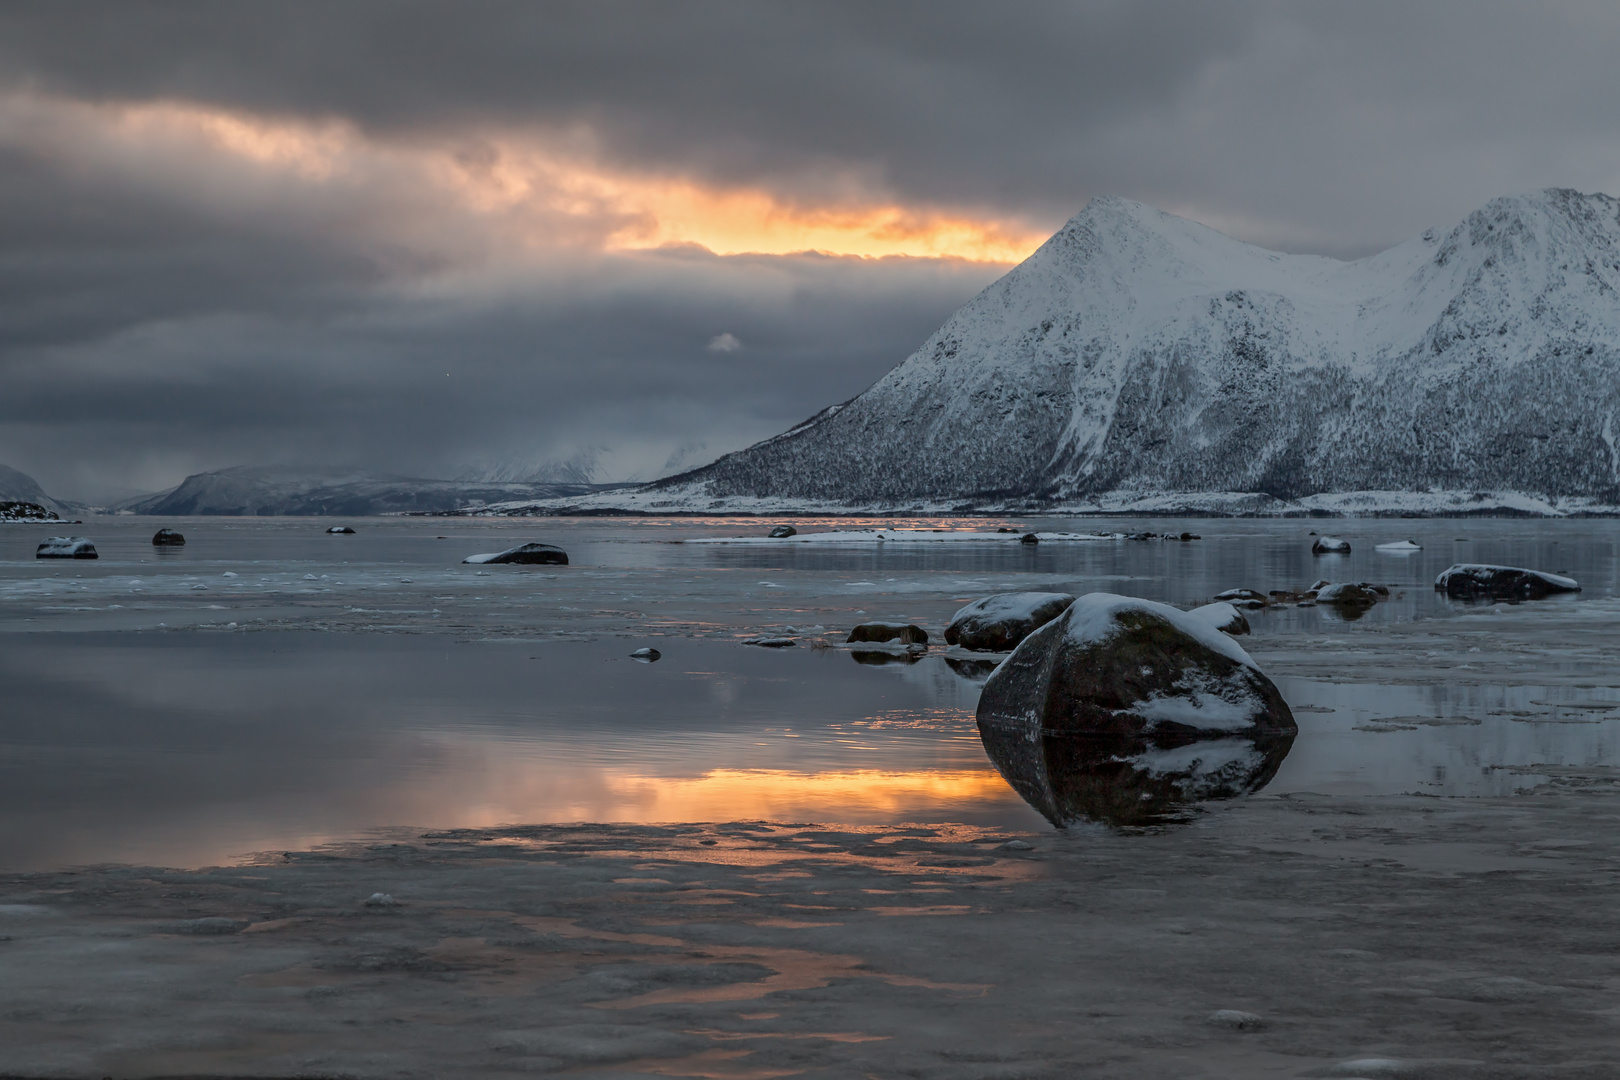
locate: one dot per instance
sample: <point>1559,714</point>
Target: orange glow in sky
<point>547,193</point>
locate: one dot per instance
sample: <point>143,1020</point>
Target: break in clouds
<point>477,238</point>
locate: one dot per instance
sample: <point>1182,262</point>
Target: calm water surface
<point>270,686</point>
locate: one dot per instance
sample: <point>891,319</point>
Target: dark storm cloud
<point>169,309</point>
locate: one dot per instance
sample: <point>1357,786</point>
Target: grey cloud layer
<point>152,326</point>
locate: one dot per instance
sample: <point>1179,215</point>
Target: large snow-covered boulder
<point>66,547</point>
<point>1120,666</point>
<point>541,554</point>
<point>998,623</point>
<point>1502,582</point>
<point>1223,617</point>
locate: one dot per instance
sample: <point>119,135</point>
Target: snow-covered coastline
<point>654,501</point>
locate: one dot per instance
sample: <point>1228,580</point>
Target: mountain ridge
<point>1137,356</point>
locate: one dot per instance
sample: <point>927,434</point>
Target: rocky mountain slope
<point>1137,359</point>
<point>18,486</point>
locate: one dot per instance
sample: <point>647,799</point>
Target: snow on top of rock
<point>1013,605</point>
<point>1094,619</point>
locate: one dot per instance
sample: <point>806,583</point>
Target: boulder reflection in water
<point>1126,781</point>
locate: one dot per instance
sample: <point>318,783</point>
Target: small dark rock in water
<point>1017,845</point>
<point>66,547</point>
<point>1223,617</point>
<point>341,530</point>
<point>771,642</point>
<point>26,511</point>
<point>382,900</point>
<point>1005,529</point>
<point>1235,1020</point>
<point>1502,582</point>
<point>782,532</point>
<point>1351,594</point>
<point>998,623</point>
<point>1029,538</point>
<point>1191,536</point>
<point>1244,598</point>
<point>1330,545</point>
<point>879,632</point>
<point>167,538</point>
<point>645,655</point>
<point>1121,666</point>
<point>543,554</point>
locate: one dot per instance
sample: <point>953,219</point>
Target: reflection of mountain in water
<point>1128,781</point>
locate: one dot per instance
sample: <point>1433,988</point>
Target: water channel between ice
<point>270,686</point>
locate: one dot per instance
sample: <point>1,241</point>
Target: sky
<point>481,239</point>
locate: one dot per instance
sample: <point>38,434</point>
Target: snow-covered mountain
<point>1140,360</point>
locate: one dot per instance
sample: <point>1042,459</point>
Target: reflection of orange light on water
<point>738,794</point>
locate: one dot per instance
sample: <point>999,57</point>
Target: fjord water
<point>270,686</point>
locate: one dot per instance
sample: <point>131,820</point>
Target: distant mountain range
<point>248,491</point>
<point>1140,361</point>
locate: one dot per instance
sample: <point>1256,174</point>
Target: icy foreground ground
<point>1139,362</point>
<point>1327,927</point>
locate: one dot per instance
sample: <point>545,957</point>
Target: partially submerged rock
<point>65,547</point>
<point>1029,538</point>
<point>1124,667</point>
<point>908,655</point>
<point>526,554</point>
<point>1502,582</point>
<point>998,623</point>
<point>167,538</point>
<point>646,655</point>
<point>782,532</point>
<point>1245,598</point>
<point>1399,547</point>
<point>1223,617</point>
<point>1330,545</point>
<point>1361,594</point>
<point>340,530</point>
<point>770,642</point>
<point>880,632</point>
